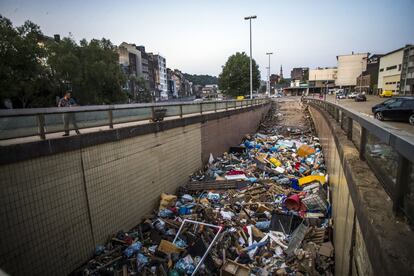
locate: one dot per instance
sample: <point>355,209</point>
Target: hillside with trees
<point>201,79</point>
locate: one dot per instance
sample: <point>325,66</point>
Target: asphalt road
<point>365,108</point>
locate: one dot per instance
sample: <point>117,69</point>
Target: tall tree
<point>90,70</point>
<point>102,75</point>
<point>143,94</point>
<point>234,80</point>
<point>22,69</point>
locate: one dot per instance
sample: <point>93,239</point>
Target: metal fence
<point>388,153</point>
<point>17,123</point>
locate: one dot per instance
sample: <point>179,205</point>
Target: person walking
<point>68,101</point>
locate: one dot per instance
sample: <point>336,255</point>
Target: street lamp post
<point>268,75</point>
<point>251,65</point>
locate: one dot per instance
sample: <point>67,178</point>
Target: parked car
<point>399,110</point>
<point>352,95</point>
<point>386,93</point>
<point>340,96</point>
<point>360,97</point>
<point>387,102</point>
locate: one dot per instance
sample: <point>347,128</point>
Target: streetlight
<point>268,75</point>
<point>251,65</point>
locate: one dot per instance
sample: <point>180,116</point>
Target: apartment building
<point>160,73</point>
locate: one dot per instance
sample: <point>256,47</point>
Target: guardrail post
<point>342,119</point>
<point>336,114</point>
<point>111,119</point>
<point>153,112</point>
<point>227,105</point>
<point>181,110</point>
<point>349,128</point>
<point>401,184</point>
<point>362,143</point>
<point>41,125</point>
<point>215,107</point>
<point>201,108</point>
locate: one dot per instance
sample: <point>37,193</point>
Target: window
<point>395,104</point>
<point>409,103</point>
<point>382,69</point>
<point>390,101</point>
<point>391,67</point>
<point>399,67</point>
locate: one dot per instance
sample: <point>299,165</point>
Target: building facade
<point>389,74</point>
<point>300,73</point>
<point>160,72</point>
<point>144,63</point>
<point>407,72</point>
<point>349,68</point>
<point>131,63</point>
<point>368,81</point>
<point>321,79</point>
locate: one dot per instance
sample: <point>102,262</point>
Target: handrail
<point>401,144</point>
<point>87,108</point>
<point>19,123</point>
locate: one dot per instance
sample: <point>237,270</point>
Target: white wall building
<point>389,74</point>
<point>349,68</point>
<point>323,74</point>
<point>161,76</point>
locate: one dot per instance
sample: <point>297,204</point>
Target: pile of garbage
<point>262,208</point>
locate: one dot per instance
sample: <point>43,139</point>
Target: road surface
<point>365,108</point>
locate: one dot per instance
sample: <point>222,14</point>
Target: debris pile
<point>262,208</point>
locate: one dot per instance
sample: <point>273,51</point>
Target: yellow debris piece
<point>311,178</point>
<point>167,201</point>
<point>275,162</point>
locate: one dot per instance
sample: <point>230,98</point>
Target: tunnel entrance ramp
<point>261,208</point>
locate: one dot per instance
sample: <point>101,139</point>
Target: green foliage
<point>90,70</point>
<point>143,94</point>
<point>201,79</point>
<point>23,76</point>
<point>234,80</point>
<point>35,69</point>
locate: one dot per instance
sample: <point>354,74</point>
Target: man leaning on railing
<point>68,101</point>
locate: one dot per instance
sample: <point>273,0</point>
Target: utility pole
<point>251,65</point>
<point>268,75</point>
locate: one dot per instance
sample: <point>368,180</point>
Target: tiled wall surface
<point>125,179</point>
<point>227,131</point>
<point>55,209</point>
<point>44,227</point>
<point>343,210</point>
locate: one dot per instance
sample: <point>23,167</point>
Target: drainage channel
<point>262,208</point>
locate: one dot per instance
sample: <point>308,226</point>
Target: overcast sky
<point>198,36</point>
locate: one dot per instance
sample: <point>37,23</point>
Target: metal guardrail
<point>388,153</point>
<point>18,123</point>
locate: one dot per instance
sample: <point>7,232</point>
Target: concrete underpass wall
<point>369,239</point>
<point>343,211</point>
<point>218,135</point>
<point>69,196</point>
